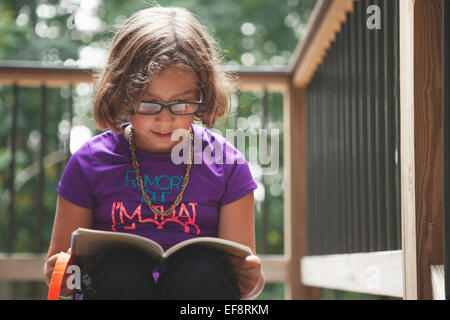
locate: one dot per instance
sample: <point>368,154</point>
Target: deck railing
<point>353,140</point>
<point>372,96</point>
<point>353,174</point>
<point>19,75</point>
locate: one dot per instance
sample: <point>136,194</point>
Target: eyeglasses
<point>179,107</point>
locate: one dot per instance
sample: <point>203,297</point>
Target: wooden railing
<point>19,74</point>
<point>353,139</point>
<point>372,99</point>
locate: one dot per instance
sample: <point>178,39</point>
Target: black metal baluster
<point>397,121</point>
<point>41,177</point>
<point>370,43</point>
<point>70,107</point>
<point>238,108</point>
<point>329,210</point>
<point>347,135</point>
<point>321,166</point>
<point>375,33</point>
<point>312,171</point>
<point>354,133</point>
<point>389,71</point>
<point>309,240</point>
<point>334,144</point>
<point>326,156</point>
<point>12,170</point>
<point>265,204</point>
<point>380,111</point>
<point>341,146</point>
<point>363,130</point>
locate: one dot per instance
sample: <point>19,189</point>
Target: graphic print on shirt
<point>161,187</point>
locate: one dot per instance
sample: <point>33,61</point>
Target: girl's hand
<point>48,271</point>
<point>248,272</point>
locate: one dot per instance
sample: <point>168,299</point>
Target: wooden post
<point>421,143</point>
<point>295,192</point>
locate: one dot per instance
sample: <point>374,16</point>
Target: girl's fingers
<point>243,261</point>
<point>50,266</point>
<point>253,259</point>
<point>245,266</point>
<point>247,271</point>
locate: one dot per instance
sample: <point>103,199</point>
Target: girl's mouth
<point>162,135</point>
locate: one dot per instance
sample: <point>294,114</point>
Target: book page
<point>227,246</point>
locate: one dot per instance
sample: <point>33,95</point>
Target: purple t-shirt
<point>100,176</point>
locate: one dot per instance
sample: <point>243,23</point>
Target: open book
<point>87,243</point>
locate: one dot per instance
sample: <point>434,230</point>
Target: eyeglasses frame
<point>168,105</point>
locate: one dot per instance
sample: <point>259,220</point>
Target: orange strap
<point>58,275</point>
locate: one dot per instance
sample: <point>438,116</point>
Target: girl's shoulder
<point>105,143</point>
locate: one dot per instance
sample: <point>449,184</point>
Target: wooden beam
<point>258,81</point>
<point>295,192</point>
<point>30,267</point>
<point>377,273</point>
<point>325,21</point>
<point>408,203</point>
<point>22,267</point>
<point>35,74</point>
<point>421,142</point>
<point>275,268</point>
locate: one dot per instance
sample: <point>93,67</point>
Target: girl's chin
<point>160,144</point>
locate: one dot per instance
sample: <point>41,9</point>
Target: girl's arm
<point>237,224</point>
<point>68,218</point>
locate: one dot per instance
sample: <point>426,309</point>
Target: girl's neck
<point>126,134</point>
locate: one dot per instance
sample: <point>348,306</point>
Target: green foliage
<point>272,291</point>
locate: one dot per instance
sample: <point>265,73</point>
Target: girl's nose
<point>165,115</point>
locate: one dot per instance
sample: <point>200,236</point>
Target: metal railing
<point>374,154</point>
<point>353,139</point>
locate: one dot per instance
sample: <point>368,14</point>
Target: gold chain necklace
<point>141,184</point>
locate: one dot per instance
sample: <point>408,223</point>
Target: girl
<point>163,72</point>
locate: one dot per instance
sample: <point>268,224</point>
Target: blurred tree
<point>250,32</point>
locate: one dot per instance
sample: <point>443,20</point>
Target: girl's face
<point>153,132</point>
